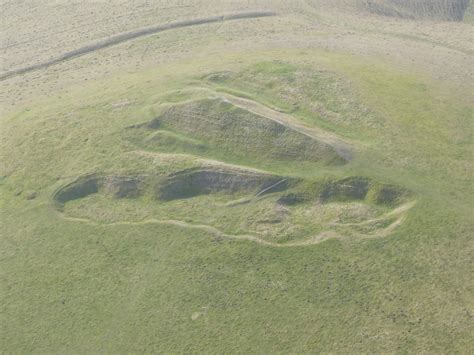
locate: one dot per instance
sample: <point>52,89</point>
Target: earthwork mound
<point>217,125</point>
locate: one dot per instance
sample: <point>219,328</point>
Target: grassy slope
<point>76,287</point>
<point>448,10</point>
<point>469,14</point>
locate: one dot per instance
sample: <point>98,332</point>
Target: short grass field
<point>292,184</point>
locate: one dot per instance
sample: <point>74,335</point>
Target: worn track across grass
<point>127,36</point>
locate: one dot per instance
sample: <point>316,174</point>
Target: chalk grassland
<point>403,41</point>
<point>128,36</point>
<point>447,10</point>
<point>138,263</point>
<point>74,24</point>
<point>444,10</point>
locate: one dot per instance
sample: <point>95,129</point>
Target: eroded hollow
<point>178,185</point>
<point>195,182</point>
<point>354,188</point>
<point>208,180</point>
<point>113,185</point>
<point>276,209</point>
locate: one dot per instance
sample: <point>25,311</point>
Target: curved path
<point>127,36</point>
<point>214,231</point>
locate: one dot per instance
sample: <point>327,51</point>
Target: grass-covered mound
<point>215,125</point>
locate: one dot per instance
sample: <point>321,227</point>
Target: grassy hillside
<point>268,185</point>
<point>450,10</point>
<point>469,14</point>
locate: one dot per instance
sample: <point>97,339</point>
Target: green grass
<point>69,286</point>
